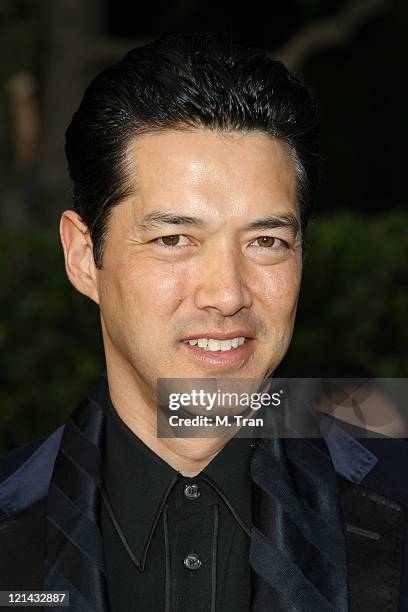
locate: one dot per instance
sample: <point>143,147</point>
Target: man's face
<point>184,259</point>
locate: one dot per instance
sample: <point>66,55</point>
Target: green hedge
<point>353,308</point>
<point>50,343</point>
<point>354,302</point>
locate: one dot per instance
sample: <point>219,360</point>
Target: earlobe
<point>79,262</point>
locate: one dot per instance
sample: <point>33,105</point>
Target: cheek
<point>152,291</point>
<point>280,286</point>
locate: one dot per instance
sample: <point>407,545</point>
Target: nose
<point>221,284</point>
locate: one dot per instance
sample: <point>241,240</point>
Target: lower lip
<point>234,357</point>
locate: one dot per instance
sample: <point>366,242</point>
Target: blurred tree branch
<point>78,47</point>
<point>331,32</point>
<point>22,94</point>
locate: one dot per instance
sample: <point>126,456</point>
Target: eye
<point>269,242</point>
<point>173,240</point>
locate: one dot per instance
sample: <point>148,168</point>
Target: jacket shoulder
<point>12,460</point>
<point>26,472</point>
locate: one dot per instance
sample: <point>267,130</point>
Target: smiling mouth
<point>215,345</point>
<point>223,353</point>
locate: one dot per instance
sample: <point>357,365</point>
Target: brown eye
<point>266,241</point>
<point>171,240</point>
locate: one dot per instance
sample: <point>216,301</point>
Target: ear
<point>78,253</point>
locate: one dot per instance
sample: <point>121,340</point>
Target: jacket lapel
<point>298,541</point>
<point>74,558</point>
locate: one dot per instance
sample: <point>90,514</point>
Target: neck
<point>137,408</point>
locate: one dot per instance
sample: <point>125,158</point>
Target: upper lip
<point>240,333</point>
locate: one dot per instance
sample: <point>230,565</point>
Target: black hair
<point>184,81</point>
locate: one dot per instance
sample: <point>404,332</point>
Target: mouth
<point>221,350</point>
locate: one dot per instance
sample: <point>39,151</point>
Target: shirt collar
<point>229,474</point>
<point>138,482</point>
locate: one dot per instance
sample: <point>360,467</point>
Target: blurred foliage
<point>353,308</point>
<point>354,299</point>
<point>50,343</point>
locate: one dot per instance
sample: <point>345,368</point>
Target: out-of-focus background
<point>354,304</point>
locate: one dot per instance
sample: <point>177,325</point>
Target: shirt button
<point>192,491</point>
<point>192,561</point>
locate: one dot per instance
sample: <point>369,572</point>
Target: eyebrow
<point>157,219</point>
<point>287,220</point>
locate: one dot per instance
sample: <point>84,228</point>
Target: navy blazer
<point>50,536</point>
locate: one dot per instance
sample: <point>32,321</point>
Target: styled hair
<point>184,81</point>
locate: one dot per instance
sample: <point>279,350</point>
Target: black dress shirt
<point>174,543</point>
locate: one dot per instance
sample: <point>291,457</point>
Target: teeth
<point>214,345</point>
<point>210,344</point>
<point>226,345</point>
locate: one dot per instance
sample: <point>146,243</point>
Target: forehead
<point>212,172</point>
